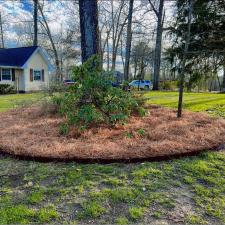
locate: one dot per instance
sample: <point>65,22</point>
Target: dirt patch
<point>29,132</point>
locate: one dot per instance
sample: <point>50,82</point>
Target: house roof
<point>16,57</point>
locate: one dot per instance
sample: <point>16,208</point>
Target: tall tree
<point>2,37</point>
<point>48,31</point>
<point>89,28</point>
<point>206,38</point>
<point>128,42</point>
<point>35,41</point>
<point>158,46</point>
<point>141,57</point>
<point>118,22</point>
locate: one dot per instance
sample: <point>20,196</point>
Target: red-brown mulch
<point>30,132</point>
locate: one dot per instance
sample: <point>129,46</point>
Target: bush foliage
<point>169,85</point>
<point>92,100</point>
<point>7,89</point>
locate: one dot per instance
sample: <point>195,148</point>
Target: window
<point>37,75</point>
<point>6,74</point>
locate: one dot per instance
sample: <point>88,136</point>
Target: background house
<point>27,68</point>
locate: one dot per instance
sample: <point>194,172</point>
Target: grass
<point>116,193</point>
<point>35,197</point>
<point>212,103</point>
<point>190,190</point>
<point>136,212</point>
<point>122,221</point>
<point>11,101</point>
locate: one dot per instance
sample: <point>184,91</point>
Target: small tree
<point>141,57</point>
<point>92,100</point>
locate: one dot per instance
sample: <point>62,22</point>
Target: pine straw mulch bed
<point>29,132</point>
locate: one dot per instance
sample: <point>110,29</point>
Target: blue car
<point>142,84</point>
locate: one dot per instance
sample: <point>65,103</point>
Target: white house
<point>27,68</point>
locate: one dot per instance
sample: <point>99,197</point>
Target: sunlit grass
<point>14,100</point>
<point>208,102</point>
<point>118,192</point>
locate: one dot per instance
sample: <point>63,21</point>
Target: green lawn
<point>11,101</point>
<point>189,190</point>
<point>212,103</point>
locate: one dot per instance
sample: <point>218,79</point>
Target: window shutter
<point>43,75</point>
<point>13,75</point>
<point>31,75</point>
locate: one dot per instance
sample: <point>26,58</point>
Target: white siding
<point>36,62</point>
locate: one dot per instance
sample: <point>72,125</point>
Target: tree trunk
<point>58,73</point>
<point>35,41</point>
<point>223,85</point>
<point>116,30</point>
<point>102,49</point>
<point>218,79</point>
<point>158,46</point>
<point>2,37</point>
<point>135,69</point>
<point>182,74</point>
<point>114,53</point>
<point>128,42</point>
<point>107,43</point>
<point>89,28</point>
<point>121,53</point>
<point>113,61</point>
<point>142,69</point>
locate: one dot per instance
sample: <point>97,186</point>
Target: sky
<point>19,13</point>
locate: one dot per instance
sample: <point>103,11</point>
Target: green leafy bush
<point>7,89</point>
<point>92,100</point>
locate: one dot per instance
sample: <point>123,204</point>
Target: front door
<point>20,82</point>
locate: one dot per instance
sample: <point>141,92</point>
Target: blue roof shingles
<point>16,57</point>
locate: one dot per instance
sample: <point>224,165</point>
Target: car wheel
<point>146,87</point>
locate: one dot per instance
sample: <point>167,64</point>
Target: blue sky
<point>27,5</point>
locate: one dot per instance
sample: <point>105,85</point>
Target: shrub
<point>92,100</point>
<point>7,89</point>
<point>169,85</point>
<point>55,87</point>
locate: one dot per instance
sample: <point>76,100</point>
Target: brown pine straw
<point>33,133</point>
